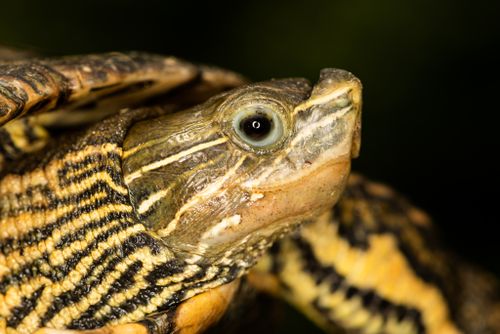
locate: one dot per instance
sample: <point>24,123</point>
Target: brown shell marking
<point>36,86</point>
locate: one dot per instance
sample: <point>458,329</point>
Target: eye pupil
<point>256,127</point>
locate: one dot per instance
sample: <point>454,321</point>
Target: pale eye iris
<point>258,126</point>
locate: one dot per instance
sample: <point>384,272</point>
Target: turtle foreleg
<point>192,316</point>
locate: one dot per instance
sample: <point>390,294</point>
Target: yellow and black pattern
<point>83,239</point>
<point>72,252</point>
<point>373,265</point>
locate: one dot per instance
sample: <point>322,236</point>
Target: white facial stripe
<point>311,128</point>
<point>168,160</point>
<point>224,224</point>
<point>256,196</point>
<point>152,199</point>
<point>149,143</point>
<point>208,191</point>
<point>321,100</point>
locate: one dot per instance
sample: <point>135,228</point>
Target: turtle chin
<point>252,222</point>
<point>290,202</point>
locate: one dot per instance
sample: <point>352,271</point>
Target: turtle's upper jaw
<point>238,170</point>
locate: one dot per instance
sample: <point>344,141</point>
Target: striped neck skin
<point>222,180</point>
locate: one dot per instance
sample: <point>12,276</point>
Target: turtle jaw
<point>214,198</point>
<point>272,210</point>
<point>309,174</point>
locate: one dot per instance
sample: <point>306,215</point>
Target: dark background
<point>429,69</point>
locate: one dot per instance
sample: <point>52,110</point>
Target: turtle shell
<point>43,93</point>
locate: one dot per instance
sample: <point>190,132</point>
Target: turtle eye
<point>258,126</point>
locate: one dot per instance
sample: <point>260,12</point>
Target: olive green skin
<point>207,192</point>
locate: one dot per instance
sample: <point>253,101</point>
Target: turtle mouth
<point>271,211</point>
<point>302,176</point>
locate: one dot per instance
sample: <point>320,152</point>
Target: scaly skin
<point>74,255</point>
<point>77,249</point>
<point>373,264</point>
<point>70,238</point>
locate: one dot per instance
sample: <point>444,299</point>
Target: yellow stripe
<point>75,188</point>
<point>155,197</point>
<point>346,312</point>
<point>381,268</point>
<point>320,100</point>
<point>15,293</point>
<point>152,142</point>
<point>80,270</point>
<point>79,222</point>
<point>165,294</point>
<point>211,189</point>
<point>168,160</point>
<point>95,295</point>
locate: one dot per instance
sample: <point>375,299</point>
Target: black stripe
<point>224,275</point>
<point>38,234</point>
<point>84,286</point>
<point>109,162</point>
<point>54,201</point>
<point>72,262</point>
<point>371,300</point>
<point>143,297</point>
<point>394,207</point>
<point>111,170</point>
<point>125,218</point>
<point>276,264</point>
<point>88,317</point>
<point>168,269</point>
<point>32,269</point>
<point>126,280</point>
<point>24,273</point>
<point>28,304</point>
<point>28,131</point>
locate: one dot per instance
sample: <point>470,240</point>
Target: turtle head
<point>221,181</point>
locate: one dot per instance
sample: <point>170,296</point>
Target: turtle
<point>141,193</point>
